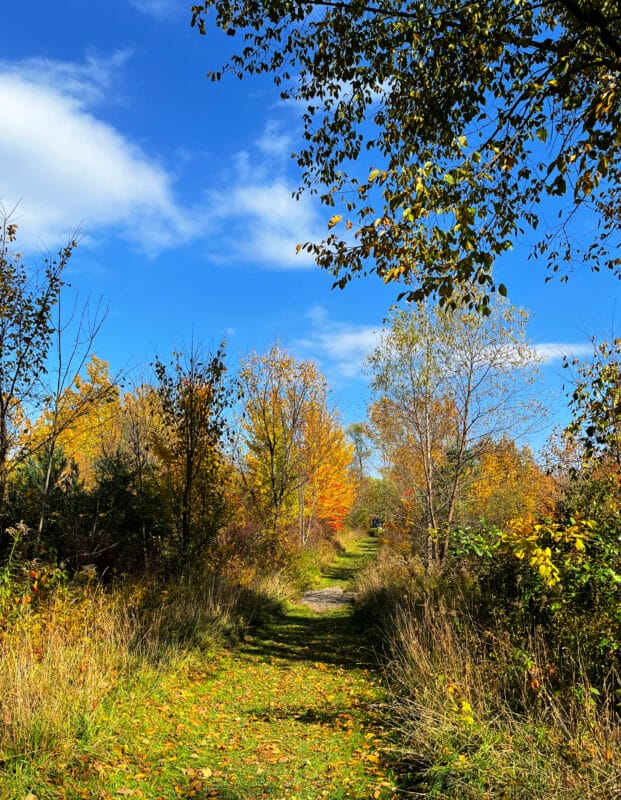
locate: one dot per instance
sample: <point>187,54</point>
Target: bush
<point>557,582</point>
<point>476,710</point>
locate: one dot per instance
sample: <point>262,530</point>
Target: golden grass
<point>472,716</point>
<point>56,666</point>
<point>61,658</point>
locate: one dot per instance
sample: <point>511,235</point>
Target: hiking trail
<point>288,714</point>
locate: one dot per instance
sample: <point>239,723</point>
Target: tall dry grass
<point>474,717</point>
<point>57,664</point>
<point>64,658</point>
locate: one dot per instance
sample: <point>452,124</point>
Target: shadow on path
<point>343,570</point>
<point>326,637</point>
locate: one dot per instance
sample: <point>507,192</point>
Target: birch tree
<point>446,385</point>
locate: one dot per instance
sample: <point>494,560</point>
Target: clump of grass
<point>454,701</point>
<point>390,582</point>
<point>57,664</point>
<point>474,717</point>
<point>205,609</point>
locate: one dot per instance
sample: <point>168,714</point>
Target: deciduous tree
<point>27,299</point>
<point>192,398</point>
<point>295,459</point>
<point>508,483</point>
<point>596,402</point>
<point>326,487</point>
<point>65,403</point>
<point>277,392</point>
<point>464,118</point>
<point>447,385</point>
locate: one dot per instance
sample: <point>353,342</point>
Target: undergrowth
<point>62,655</point>
<point>473,715</point>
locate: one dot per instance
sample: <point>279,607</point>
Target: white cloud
<point>88,82</point>
<point>342,345</point>
<point>67,167</point>
<point>274,142</point>
<point>549,352</point>
<point>259,218</point>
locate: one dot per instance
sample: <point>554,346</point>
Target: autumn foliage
<point>294,459</point>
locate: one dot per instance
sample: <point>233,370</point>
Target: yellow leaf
<point>334,220</point>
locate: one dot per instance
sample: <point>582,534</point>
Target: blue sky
<point>182,192</point>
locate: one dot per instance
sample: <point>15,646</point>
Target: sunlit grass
<point>203,690</point>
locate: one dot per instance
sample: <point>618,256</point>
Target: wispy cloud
<point>551,352</point>
<point>87,82</point>
<point>259,219</point>
<point>162,9</point>
<point>340,346</point>
<point>66,166</point>
<point>274,141</point>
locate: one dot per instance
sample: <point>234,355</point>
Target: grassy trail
<point>286,715</point>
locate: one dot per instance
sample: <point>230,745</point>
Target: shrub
<point>478,709</point>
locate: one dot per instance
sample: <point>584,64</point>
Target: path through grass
<point>342,571</point>
<point>289,714</point>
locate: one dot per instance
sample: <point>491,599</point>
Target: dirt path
<point>331,597</point>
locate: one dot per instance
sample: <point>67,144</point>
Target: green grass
<point>289,713</point>
<point>357,552</point>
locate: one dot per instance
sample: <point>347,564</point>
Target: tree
<point>448,385</point>
<point>192,398</point>
<point>83,419</point>
<point>415,438</point>
<point>277,392</point>
<point>27,299</point>
<point>587,464</point>
<point>326,484</point>
<point>466,116</point>
<point>358,434</point>
<point>596,402</point>
<point>137,424</point>
<point>507,483</point>
<point>79,423</point>
<point>295,459</point>
<point>66,370</point>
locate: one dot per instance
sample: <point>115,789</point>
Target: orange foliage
<point>296,468</point>
<point>333,479</point>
